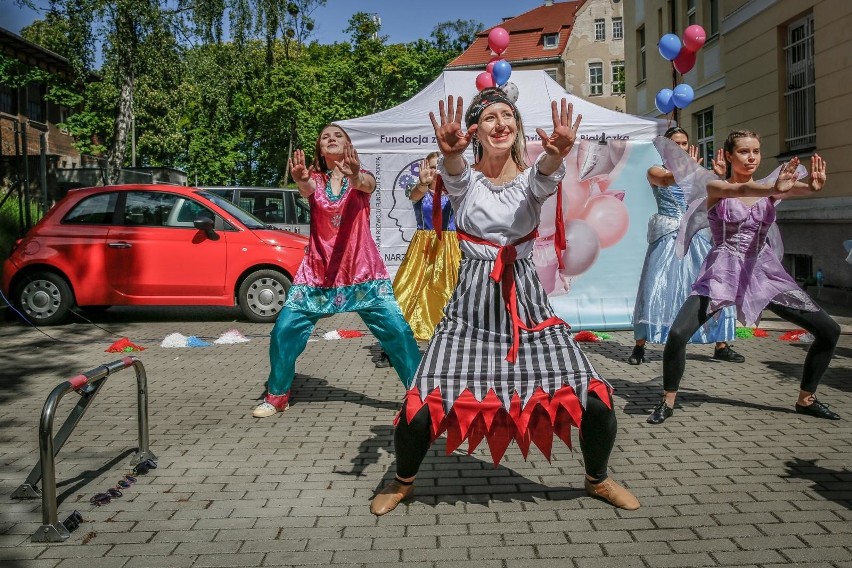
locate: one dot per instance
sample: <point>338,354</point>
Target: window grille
<point>704,140</point>
<point>617,77</point>
<point>617,28</point>
<point>799,96</point>
<point>595,78</point>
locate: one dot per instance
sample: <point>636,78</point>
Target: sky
<point>402,20</point>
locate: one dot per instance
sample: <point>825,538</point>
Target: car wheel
<point>44,298</point>
<point>262,295</point>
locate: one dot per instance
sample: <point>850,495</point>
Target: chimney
<point>548,2</point>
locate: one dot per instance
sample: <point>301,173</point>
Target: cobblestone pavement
<point>734,478</point>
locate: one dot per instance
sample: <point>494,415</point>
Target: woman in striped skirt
<point>501,366</point>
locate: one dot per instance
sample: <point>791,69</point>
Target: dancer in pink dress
<point>742,270</point>
<point>342,270</point>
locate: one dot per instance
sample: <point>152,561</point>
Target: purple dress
<point>741,268</point>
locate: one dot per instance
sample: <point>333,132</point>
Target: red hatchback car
<point>150,245</point>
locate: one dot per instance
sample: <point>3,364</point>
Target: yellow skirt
<point>426,279</point>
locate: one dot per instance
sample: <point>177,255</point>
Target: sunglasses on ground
<point>142,468</point>
<point>104,498</point>
<point>73,521</point>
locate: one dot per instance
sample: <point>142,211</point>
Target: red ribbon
<point>559,241</point>
<point>504,272</point>
<point>437,210</point>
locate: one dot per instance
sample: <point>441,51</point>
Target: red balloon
<point>694,37</point>
<point>498,40</point>
<point>684,61</point>
<point>490,67</point>
<point>484,80</point>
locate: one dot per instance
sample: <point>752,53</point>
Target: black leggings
<point>597,438</point>
<point>693,314</point>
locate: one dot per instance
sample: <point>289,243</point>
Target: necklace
<point>503,178</point>
<point>328,193</point>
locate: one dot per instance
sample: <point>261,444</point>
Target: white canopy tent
<point>391,144</point>
<point>406,128</point>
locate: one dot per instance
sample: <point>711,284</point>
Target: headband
<point>483,100</point>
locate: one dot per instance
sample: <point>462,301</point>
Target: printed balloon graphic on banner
<point>583,247</point>
<point>607,215</point>
<point>594,216</point>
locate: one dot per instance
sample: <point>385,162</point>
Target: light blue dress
<point>667,280</point>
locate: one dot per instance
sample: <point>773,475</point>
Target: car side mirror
<point>205,225</point>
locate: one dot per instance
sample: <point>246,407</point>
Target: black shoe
<point>817,409</point>
<point>728,354</point>
<point>660,413</point>
<point>638,355</point>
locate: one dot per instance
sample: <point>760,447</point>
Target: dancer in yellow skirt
<point>430,270</point>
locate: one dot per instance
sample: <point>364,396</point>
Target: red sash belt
<point>437,209</point>
<point>504,272</point>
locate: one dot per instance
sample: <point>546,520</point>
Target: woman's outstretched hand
<point>817,173</point>
<point>561,140</point>
<point>451,140</point>
<point>787,177</point>
<point>720,166</point>
<point>298,170</point>
<point>350,165</point>
<point>426,174</point>
<point>693,153</point>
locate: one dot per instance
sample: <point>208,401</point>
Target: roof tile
<point>525,35</point>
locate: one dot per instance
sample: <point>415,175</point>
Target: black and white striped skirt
<point>464,375</point>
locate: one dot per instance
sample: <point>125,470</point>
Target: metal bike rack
<point>87,385</point>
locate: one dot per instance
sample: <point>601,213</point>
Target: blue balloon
<point>501,72</point>
<point>682,95</point>
<point>664,101</point>
<point>669,46</point>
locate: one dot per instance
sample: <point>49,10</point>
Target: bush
<point>9,220</point>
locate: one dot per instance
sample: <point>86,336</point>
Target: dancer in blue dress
<point>666,280</point>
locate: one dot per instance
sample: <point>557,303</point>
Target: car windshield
<point>242,215</point>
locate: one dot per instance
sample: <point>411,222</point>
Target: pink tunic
<point>341,251</point>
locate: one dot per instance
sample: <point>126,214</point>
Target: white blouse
<point>501,214</point>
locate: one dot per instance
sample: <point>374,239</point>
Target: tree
<point>125,26</point>
<point>456,35</point>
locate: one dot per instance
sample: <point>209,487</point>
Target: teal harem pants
<point>293,328</point>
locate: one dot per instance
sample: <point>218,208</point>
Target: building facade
<point>593,58</point>
<point>778,67</point>
<point>33,144</point>
<point>579,43</point>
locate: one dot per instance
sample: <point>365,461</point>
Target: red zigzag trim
<point>537,422</point>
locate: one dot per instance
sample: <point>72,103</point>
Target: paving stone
<point>294,489</point>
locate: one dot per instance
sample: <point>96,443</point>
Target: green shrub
<point>9,220</point>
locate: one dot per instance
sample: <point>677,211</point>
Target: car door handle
<point>119,245</point>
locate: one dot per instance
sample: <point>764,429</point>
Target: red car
<point>150,245</point>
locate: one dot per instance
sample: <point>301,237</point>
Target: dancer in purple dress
<point>741,270</point>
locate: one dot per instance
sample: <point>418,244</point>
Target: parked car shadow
<point>138,314</point>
